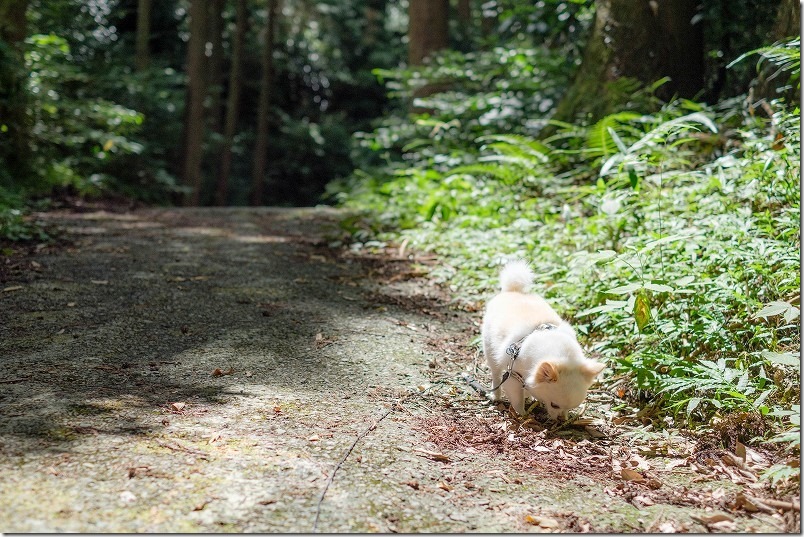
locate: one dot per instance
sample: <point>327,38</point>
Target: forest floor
<point>224,370</point>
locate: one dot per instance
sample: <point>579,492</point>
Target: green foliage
<point>15,224</point>
<point>785,56</point>
<point>82,140</point>
<point>670,236</point>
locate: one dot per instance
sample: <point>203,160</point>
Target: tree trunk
<point>194,103</point>
<point>428,28</point>
<point>464,12</point>
<point>232,101</point>
<point>373,15</point>
<point>215,80</point>
<point>15,147</point>
<point>644,40</point>
<point>788,20</point>
<point>263,108</point>
<point>143,54</point>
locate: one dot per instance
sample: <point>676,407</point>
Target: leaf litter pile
<point>632,461</point>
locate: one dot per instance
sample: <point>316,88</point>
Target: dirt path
<point>220,370</point>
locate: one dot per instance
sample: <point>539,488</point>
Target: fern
<point>661,135</point>
<point>515,144</point>
<point>786,55</point>
<point>599,139</point>
<point>504,174</point>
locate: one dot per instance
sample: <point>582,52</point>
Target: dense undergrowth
<point>667,232</point>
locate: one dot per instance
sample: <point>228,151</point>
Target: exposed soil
<point>224,370</point>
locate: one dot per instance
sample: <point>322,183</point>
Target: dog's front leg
<point>496,380</point>
<point>516,396</point>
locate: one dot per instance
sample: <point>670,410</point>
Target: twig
<point>778,504</point>
<point>179,447</point>
<point>349,451</point>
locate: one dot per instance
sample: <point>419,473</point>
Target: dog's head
<point>562,385</point>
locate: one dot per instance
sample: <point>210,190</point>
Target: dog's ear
<point>546,372</point>
<point>592,368</point>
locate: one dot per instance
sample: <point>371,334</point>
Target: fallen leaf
<point>712,519</point>
<point>654,483</point>
<point>641,501</point>
<point>12,288</point>
<point>177,406</point>
<point>218,372</point>
<point>542,521</point>
<point>594,433</point>
<point>739,450</point>
<point>413,484</point>
<point>444,486</point>
<point>631,475</point>
<point>744,502</point>
<point>314,438</point>
<point>71,304</point>
<point>277,409</point>
<point>733,460</point>
<point>433,455</point>
<point>584,421</point>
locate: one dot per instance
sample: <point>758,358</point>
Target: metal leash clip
<point>513,350</point>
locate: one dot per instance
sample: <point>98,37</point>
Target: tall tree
<point>428,28</point>
<point>215,70</point>
<point>641,40</point>
<point>232,101</point>
<point>194,102</point>
<point>14,124</point>
<point>264,107</point>
<point>143,52</point>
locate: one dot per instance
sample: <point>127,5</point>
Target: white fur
<point>551,362</point>
<point>516,276</point>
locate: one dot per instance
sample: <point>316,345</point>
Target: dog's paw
<point>494,397</point>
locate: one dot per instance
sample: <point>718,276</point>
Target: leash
<point>513,351</point>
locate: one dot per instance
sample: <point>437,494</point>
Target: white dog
<point>531,350</point>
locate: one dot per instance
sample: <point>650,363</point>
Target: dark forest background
<point>257,101</point>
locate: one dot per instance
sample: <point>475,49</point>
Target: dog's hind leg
<point>496,373</point>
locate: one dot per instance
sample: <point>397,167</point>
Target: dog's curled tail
<point>516,277</point>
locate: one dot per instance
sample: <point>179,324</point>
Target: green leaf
<point>659,287</point>
<point>776,307</point>
<point>641,311</point>
<point>633,179</point>
<point>625,289</point>
<point>783,358</point>
<point>692,405</point>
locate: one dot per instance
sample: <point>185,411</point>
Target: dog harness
<point>513,351</point>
